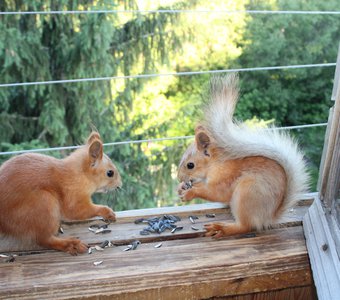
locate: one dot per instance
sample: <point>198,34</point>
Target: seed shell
<point>98,248</point>
<point>104,244</point>
<point>135,244</point>
<point>138,221</point>
<point>11,258</point>
<point>144,232</point>
<point>103,231</point>
<point>194,228</point>
<point>176,229</point>
<point>95,226</point>
<point>97,263</point>
<point>158,245</point>
<point>129,247</point>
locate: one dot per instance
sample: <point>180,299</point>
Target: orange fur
<point>261,173</point>
<point>38,191</point>
<point>254,186</point>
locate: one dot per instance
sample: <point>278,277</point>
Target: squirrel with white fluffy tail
<point>261,173</point>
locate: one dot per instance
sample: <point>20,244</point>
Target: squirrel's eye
<point>190,165</point>
<point>109,173</point>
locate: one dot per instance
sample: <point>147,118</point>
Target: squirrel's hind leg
<point>242,209</point>
<point>218,230</point>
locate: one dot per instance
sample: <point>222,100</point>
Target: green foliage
<point>71,46</point>
<point>294,96</point>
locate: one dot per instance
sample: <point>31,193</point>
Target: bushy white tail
<point>239,141</point>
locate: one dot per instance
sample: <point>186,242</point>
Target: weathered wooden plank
<point>336,77</point>
<point>196,268</point>
<point>299,293</point>
<point>331,149</point>
<point>333,182</point>
<point>322,168</point>
<point>323,253</point>
<point>124,230</point>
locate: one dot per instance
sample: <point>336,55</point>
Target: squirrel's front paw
<point>214,230</point>
<point>107,213</point>
<point>184,191</point>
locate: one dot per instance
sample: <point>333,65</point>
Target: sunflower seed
<point>158,245</point>
<point>104,244</point>
<point>210,215</point>
<point>194,228</point>
<point>176,229</point>
<point>94,226</point>
<point>11,258</point>
<point>61,230</point>
<point>249,235</point>
<point>138,221</point>
<point>98,248</point>
<point>192,220</point>
<point>135,244</point>
<point>187,185</point>
<point>103,231</point>
<point>97,263</point>
<point>158,224</point>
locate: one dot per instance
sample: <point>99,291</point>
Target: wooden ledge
<point>186,266</point>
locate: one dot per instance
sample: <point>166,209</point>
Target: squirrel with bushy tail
<point>261,173</point>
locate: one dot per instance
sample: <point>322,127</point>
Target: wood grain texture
<point>186,266</point>
<point>321,223</point>
<point>329,169</point>
<point>299,293</point>
<point>323,252</point>
<point>124,230</point>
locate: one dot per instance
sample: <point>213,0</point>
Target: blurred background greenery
<point>41,47</point>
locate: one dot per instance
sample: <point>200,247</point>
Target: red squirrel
<point>261,173</point>
<point>38,191</point>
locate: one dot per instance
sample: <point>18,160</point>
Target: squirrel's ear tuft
<point>93,136</point>
<point>95,151</point>
<point>199,128</point>
<point>202,140</point>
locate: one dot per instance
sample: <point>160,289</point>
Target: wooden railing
<point>186,265</point>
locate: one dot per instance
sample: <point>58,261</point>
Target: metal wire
<point>173,11</point>
<point>166,74</point>
<point>146,141</point>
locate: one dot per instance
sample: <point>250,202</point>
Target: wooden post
<point>322,222</point>
<point>329,179</point>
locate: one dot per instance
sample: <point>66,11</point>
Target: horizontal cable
<point>300,126</point>
<point>146,141</point>
<point>166,74</point>
<point>173,11</point>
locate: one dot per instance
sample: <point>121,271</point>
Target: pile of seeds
<point>159,224</point>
